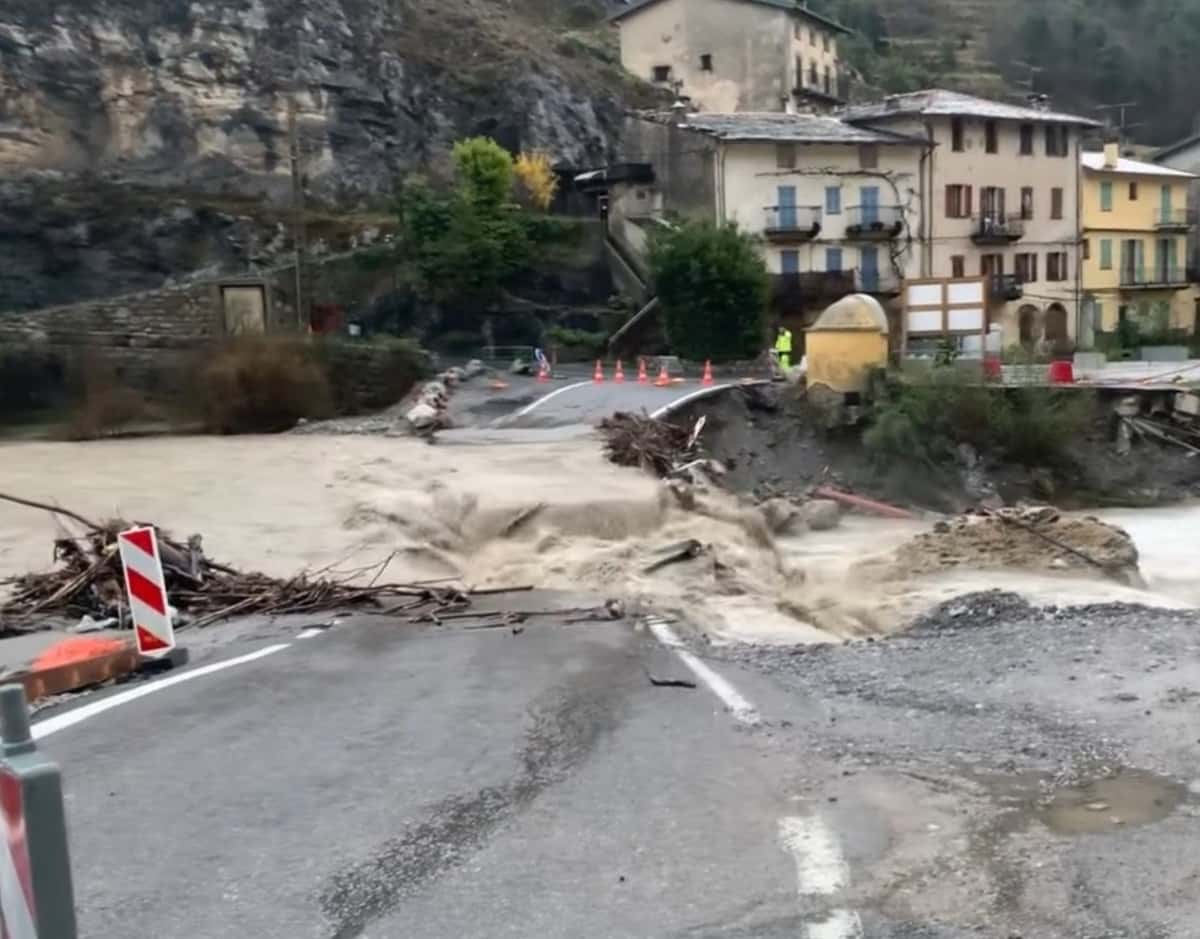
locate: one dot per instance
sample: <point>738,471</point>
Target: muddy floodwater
<point>284,504</point>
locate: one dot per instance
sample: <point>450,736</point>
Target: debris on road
<point>88,582</point>
<point>654,445</point>
<point>683,551</point>
<point>661,682</point>
<point>1037,537</point>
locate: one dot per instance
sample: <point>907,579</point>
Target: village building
<point>735,55</point>
<point>1135,231</point>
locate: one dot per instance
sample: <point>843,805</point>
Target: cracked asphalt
<point>1002,771</point>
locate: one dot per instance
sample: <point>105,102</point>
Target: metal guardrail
<point>1171,218</point>
<point>998,228</point>
<point>876,217</point>
<point>792,219</point>
<point>1153,276</point>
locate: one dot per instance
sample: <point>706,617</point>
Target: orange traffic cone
<point>707,379</point>
<point>663,378</point>
<point>619,374</point>
<point>599,376</point>
<point>543,374</point>
<point>643,378</point>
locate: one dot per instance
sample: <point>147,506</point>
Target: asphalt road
<point>587,402</point>
<point>1018,774</point>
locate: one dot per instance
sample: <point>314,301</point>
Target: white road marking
<point>821,871</point>
<point>53,725</point>
<point>680,402</point>
<point>310,632</point>
<point>546,397</point>
<point>840,924</point>
<point>738,706</point>
<point>820,867</point>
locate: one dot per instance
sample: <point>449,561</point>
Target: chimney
<point>679,111</point>
<point>1112,153</point>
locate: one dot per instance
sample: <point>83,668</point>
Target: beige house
<point>836,207</point>
<point>1001,187</point>
<point>734,55</point>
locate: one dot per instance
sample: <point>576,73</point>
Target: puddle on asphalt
<point>1125,799</point>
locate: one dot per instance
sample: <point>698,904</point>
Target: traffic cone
<point>707,379</point>
<point>663,378</point>
<point>619,374</point>
<point>543,373</point>
<point>643,378</point>
<point>598,378</point>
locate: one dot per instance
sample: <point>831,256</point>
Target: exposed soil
<point>774,442</point>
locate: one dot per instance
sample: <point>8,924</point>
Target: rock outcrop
<point>209,98</point>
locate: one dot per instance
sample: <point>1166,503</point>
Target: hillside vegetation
<point>1083,53</point>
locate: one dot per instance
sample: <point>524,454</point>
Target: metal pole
<point>32,790</point>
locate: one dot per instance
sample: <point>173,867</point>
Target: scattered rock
<point>821,514</point>
<point>423,417</point>
<point>780,515</point>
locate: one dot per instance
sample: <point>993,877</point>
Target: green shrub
<point>31,379</point>
<point>712,284</point>
<point>577,342</point>
<point>924,421</point>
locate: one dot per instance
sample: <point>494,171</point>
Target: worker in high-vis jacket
<point>783,347</point>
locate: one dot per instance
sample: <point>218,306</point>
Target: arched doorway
<point>1027,325</point>
<point>1056,324</point>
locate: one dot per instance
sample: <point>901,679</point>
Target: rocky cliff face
<point>195,100</point>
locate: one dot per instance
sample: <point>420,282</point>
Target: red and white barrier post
<point>147,590</point>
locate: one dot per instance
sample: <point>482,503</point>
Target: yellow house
<point>1135,226</point>
<point>846,342</point>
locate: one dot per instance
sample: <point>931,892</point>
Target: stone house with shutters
<point>836,207</point>
<point>1002,189</point>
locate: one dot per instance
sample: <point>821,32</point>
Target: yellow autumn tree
<point>534,180</point>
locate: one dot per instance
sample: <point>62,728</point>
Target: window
<point>958,266</point>
<point>828,80</point>
<point>1056,202</point>
<point>812,36</point>
<point>1026,202</point>
<point>833,200</point>
<point>833,259</point>
<point>1086,246</point>
<point>956,134</point>
<point>990,143</point>
<point>868,155</point>
<point>1106,197</point>
<point>1056,265</point>
<point>1133,192</point>
<point>706,62</point>
<point>1106,254</point>
<point>812,74</point>
<point>958,201</point>
<point>1058,140</point>
<point>991,203</point>
<point>1025,268</point>
<point>825,42</point>
<point>797,29</point>
<point>799,71</point>
<point>662,73</point>
<point>785,156</point>
<point>789,262</point>
<point>991,265</point>
<point>1026,140</point>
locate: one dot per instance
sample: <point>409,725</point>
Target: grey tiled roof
<point>790,5</point>
<point>937,101</point>
<point>798,128</point>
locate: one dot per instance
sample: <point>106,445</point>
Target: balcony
<point>1171,220</point>
<point>874,222</point>
<point>1154,278</point>
<point>880,283</point>
<point>998,229</point>
<point>797,292</point>
<point>1004,287</point>
<point>791,223</point>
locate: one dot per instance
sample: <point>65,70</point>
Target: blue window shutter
<point>833,259</point>
<point>833,200</point>
<point>789,262</point>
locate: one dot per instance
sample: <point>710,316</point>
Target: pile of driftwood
<point>87,580</point>
<point>654,445</point>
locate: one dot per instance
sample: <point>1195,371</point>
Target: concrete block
<point>1188,402</point>
<point>1091,361</point>
<point>1163,353</point>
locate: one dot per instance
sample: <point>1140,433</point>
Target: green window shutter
<point>1106,197</point>
<point>1106,254</point>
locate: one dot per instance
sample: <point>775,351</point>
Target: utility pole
<point>299,224</point>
